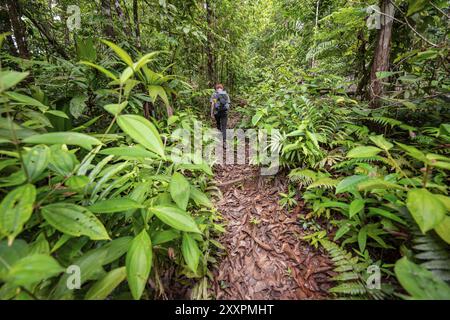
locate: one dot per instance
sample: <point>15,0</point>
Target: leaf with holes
<point>74,220</point>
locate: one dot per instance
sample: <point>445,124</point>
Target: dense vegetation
<point>88,114</point>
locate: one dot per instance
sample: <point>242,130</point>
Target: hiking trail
<point>264,256</point>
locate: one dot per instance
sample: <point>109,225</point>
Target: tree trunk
<point>209,46</point>
<point>362,73</point>
<point>121,16</point>
<point>108,28</point>
<point>18,27</point>
<point>381,54</point>
<point>137,30</point>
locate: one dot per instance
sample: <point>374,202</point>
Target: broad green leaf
<point>443,229</point>
<point>139,264</point>
<point>144,60</point>
<point>350,183</point>
<point>362,238</point>
<point>180,190</point>
<point>15,209</point>
<point>426,209</point>
<point>58,113</point>
<point>419,282</point>
<point>416,6</point>
<point>10,78</point>
<point>413,152</point>
<point>132,151</point>
<point>114,205</point>
<point>36,161</point>
<point>32,269</point>
<point>355,206</point>
<point>158,91</point>
<point>62,161</point>
<point>103,287</point>
<point>116,109</point>
<point>200,198</point>
<point>445,200</point>
<point>70,138</point>
<point>341,231</point>
<point>10,253</point>
<point>77,105</point>
<point>142,131</point>
<point>74,220</point>
<point>191,252</point>
<point>378,184</point>
<point>101,69</point>
<point>26,100</point>
<point>386,214</point>
<point>363,152</point>
<point>126,74</point>
<point>77,183</point>
<point>120,52</point>
<point>175,218</point>
<point>161,237</point>
<point>381,142</point>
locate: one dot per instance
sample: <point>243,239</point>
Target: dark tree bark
<point>363,74</point>
<point>108,28</point>
<point>121,16</point>
<point>381,54</point>
<point>45,31</point>
<point>5,26</point>
<point>211,75</point>
<point>137,30</point>
<point>18,27</point>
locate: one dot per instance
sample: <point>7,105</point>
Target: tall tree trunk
<point>5,26</point>
<point>18,27</point>
<point>362,73</point>
<point>137,30</point>
<point>209,46</point>
<point>121,16</point>
<point>382,51</point>
<point>108,28</point>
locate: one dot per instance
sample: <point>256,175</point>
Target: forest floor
<point>264,256</point>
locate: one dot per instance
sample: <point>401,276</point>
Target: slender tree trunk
<point>362,74</point>
<point>5,26</point>
<point>18,27</point>
<point>381,54</point>
<point>137,30</point>
<point>121,16</point>
<point>108,28</point>
<point>316,26</point>
<point>209,46</point>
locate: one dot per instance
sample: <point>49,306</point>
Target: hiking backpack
<point>222,102</point>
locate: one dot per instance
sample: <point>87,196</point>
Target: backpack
<point>222,102</point>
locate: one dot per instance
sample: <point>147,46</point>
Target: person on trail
<point>220,104</point>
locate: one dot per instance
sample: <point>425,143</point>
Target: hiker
<point>220,104</point>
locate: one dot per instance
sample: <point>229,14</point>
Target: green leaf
<point>362,238</point>
<point>74,220</point>
<point>144,60</point>
<point>9,79</point>
<point>191,252</point>
<point>363,152</point>
<point>180,190</point>
<point>142,131</point>
<point>62,161</point>
<point>126,74</point>
<point>419,282</point>
<point>26,100</point>
<point>381,142</point>
<point>341,231</point>
<point>386,214</point>
<point>443,229</point>
<point>103,287</point>
<point>158,91</point>
<point>114,205</point>
<point>32,269</point>
<point>413,152</point>
<point>36,161</point>
<point>416,6</point>
<point>58,113</point>
<point>70,138</point>
<point>378,184</point>
<point>15,209</point>
<point>120,52</point>
<point>132,151</point>
<point>350,183</point>
<point>200,198</point>
<point>426,209</point>
<point>139,263</point>
<point>175,218</point>
<point>356,206</point>
<point>161,237</point>
<point>116,109</point>
<point>101,69</point>
<point>77,105</point>
<point>10,253</point>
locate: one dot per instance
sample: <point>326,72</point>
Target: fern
<point>303,176</point>
<point>351,274</point>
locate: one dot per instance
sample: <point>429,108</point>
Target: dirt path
<point>264,257</point>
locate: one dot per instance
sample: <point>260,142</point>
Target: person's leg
<point>223,125</point>
<point>217,116</point>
